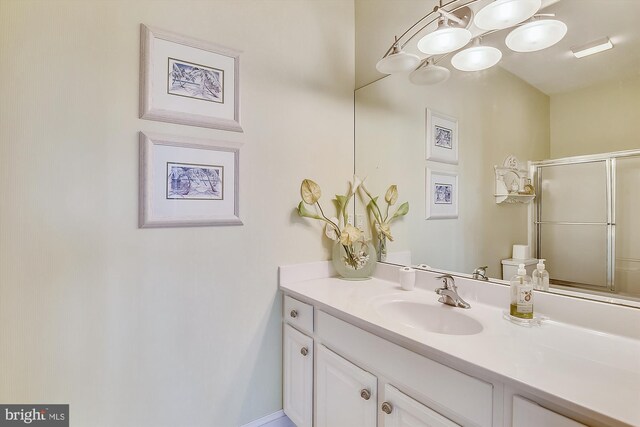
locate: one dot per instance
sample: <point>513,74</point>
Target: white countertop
<point>597,371</point>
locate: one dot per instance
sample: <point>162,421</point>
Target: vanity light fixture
<point>592,47</point>
<point>397,61</point>
<point>445,39</point>
<point>428,73</point>
<point>502,14</point>
<point>453,20</point>
<point>476,58</point>
<point>536,35</point>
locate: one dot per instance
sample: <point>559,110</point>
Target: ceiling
<point>553,70</point>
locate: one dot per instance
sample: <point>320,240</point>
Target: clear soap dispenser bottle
<point>541,277</point>
<point>521,295</point>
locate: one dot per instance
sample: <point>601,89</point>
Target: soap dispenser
<point>521,295</point>
<point>541,277</point>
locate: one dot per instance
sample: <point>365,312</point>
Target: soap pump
<point>541,277</point>
<point>521,295</point>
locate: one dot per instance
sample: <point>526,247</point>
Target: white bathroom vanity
<point>367,353</point>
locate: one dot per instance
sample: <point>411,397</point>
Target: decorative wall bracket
<point>512,182</point>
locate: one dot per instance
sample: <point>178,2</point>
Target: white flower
<point>384,230</point>
<point>310,191</point>
<point>330,231</point>
<point>392,195</point>
<point>349,235</point>
<point>357,182</point>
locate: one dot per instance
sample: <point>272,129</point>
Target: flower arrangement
<point>356,254</point>
<point>382,223</point>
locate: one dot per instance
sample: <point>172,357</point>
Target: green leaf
<point>373,207</point>
<point>341,202</point>
<point>402,210</point>
<point>303,212</point>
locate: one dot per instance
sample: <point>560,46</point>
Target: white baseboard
<point>276,419</point>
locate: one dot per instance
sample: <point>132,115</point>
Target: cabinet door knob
<point>304,351</point>
<point>386,407</point>
<point>293,314</point>
<point>365,394</point>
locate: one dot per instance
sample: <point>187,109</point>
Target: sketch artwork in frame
<point>441,194</point>
<point>442,137</point>
<point>195,182</point>
<point>188,81</point>
<point>187,182</point>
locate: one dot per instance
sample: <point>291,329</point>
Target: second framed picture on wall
<point>442,194</point>
<point>187,182</point>
<point>442,137</point>
<point>188,81</point>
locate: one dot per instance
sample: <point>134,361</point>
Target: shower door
<point>574,224</point>
<point>627,218</point>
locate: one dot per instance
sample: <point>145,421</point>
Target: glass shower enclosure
<point>586,221</point>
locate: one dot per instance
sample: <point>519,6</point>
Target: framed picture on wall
<point>442,137</point>
<point>188,81</point>
<point>186,182</point>
<point>441,194</point>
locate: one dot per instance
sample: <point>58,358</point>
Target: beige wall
<point>597,119</point>
<point>498,115</point>
<point>157,327</point>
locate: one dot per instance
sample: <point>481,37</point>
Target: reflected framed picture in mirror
<point>441,137</point>
<point>441,194</point>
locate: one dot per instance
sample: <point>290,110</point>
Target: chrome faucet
<point>449,293</point>
<point>480,273</point>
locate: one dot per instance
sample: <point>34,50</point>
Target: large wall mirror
<point>568,126</point>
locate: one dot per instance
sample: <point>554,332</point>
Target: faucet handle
<point>480,273</point>
<point>445,280</point>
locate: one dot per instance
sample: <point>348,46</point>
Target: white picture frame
<point>188,182</point>
<point>441,137</point>
<point>188,81</point>
<point>441,194</point>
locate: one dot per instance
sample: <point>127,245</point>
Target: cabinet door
<point>345,394</point>
<point>402,411</point>
<point>298,377</point>
<point>529,414</point>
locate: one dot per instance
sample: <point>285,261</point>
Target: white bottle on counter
<point>541,277</point>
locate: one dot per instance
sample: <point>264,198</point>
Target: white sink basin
<point>441,318</point>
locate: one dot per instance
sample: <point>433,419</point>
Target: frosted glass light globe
<point>476,58</point>
<point>505,13</point>
<point>536,35</point>
<point>397,63</point>
<point>444,40</point>
<point>429,75</point>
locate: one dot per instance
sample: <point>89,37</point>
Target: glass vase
<point>382,249</point>
<point>356,261</point>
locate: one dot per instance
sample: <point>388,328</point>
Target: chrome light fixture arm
<point>436,10</point>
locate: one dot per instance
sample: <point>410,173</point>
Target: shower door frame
<point>535,210</point>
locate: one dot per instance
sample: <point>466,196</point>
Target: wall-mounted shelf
<point>512,183</point>
<point>514,198</point>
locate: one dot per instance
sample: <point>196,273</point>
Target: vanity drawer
<point>298,314</point>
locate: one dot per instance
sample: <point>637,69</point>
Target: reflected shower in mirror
<point>572,123</point>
